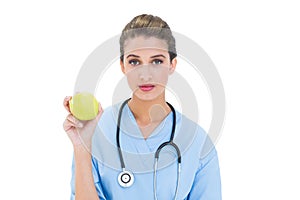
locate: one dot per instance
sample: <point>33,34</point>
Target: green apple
<point>84,106</point>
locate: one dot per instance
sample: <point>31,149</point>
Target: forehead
<point>142,44</point>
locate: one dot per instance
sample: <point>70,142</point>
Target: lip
<point>146,87</point>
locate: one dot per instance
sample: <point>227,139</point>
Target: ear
<point>122,66</point>
<point>172,66</point>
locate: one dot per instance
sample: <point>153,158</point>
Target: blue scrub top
<point>199,177</point>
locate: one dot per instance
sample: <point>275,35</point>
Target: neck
<point>147,112</point>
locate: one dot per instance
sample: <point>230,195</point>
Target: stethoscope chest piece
<point>125,178</point>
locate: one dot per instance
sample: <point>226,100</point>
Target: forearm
<point>84,181</point>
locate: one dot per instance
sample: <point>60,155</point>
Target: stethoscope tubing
<point>170,142</point>
<point>118,134</point>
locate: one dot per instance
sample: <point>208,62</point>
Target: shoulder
<point>191,136</point>
<point>109,115</point>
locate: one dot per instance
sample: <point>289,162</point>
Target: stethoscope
<point>126,178</point>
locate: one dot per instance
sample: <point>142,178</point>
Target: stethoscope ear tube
<point>174,122</point>
<point>171,143</point>
<point>156,166</point>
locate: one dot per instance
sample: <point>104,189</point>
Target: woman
<point>148,58</point>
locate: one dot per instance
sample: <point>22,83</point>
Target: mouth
<point>146,87</point>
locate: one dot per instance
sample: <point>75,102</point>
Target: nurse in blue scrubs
<point>129,163</point>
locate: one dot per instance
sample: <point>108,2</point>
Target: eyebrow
<point>132,55</point>
<point>159,55</point>
<point>155,56</point>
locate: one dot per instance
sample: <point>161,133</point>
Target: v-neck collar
<point>160,134</point>
<point>156,130</point>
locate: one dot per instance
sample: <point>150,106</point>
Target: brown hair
<point>148,26</point>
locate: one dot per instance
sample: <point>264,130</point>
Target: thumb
<point>100,111</point>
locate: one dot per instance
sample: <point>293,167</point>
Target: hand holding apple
<point>84,114</point>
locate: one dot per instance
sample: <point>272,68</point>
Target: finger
<point>71,123</point>
<point>74,121</point>
<point>66,103</point>
<point>67,125</point>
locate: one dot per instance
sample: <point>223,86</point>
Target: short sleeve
<point>207,181</point>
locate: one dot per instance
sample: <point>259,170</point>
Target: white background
<point>255,46</point>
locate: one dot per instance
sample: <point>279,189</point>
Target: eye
<point>157,62</point>
<point>134,62</point>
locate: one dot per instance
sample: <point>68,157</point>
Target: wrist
<point>81,148</point>
<point>81,144</point>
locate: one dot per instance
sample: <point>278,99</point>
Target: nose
<point>145,73</point>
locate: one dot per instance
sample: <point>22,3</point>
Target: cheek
<point>132,79</point>
<point>161,76</point>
